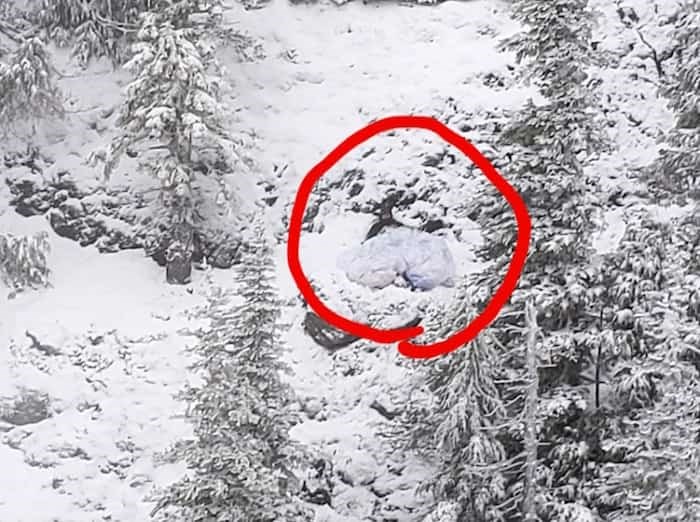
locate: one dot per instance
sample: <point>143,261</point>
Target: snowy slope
<point>635,111</point>
<point>110,388</point>
<point>376,60</point>
<point>329,71</point>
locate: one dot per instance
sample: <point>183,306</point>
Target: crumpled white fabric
<point>421,258</point>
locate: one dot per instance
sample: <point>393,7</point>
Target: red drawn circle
<point>404,335</point>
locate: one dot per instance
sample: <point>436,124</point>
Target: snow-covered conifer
<point>241,458</point>
<point>459,428</point>
<point>27,85</point>
<point>543,152</point>
<point>106,28</point>
<point>651,429</point>
<point>679,162</point>
<point>95,29</point>
<point>171,117</point>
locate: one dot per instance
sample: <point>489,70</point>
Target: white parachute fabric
<point>420,258</point>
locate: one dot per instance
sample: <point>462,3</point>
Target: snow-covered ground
<point>109,389</point>
<point>634,109</point>
<point>121,331</point>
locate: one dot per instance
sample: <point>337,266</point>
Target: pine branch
<point>11,32</point>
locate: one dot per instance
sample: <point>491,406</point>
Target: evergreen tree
<point>543,152</point>
<point>459,430</point>
<point>14,24</point>
<point>651,432</point>
<point>94,29</point>
<point>171,117</point>
<point>241,456</point>
<point>676,170</point>
<point>106,28</point>
<point>28,90</point>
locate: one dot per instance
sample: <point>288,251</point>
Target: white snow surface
<point>425,260</point>
<point>111,389</point>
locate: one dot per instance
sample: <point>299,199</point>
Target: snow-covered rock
<point>421,258</point>
<point>359,470</point>
<point>313,407</point>
<point>446,511</point>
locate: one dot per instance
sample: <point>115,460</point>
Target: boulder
<point>359,470</point>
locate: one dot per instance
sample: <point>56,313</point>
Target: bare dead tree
<point>654,55</point>
<point>598,362</point>
<point>530,442</point>
<point>630,19</point>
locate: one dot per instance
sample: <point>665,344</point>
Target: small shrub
<point>29,407</point>
<point>23,261</point>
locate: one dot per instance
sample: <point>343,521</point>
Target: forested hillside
<point>158,360</point>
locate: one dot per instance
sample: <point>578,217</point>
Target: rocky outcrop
<point>332,338</point>
<point>112,220</point>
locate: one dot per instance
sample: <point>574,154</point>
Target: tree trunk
<point>528,507</point>
<point>178,270</point>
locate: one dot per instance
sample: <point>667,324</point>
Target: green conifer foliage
<point>172,117</point>
<point>94,29</point>
<point>676,171</point>
<point>241,459</point>
<point>543,152</point>
<point>458,427</point>
<point>28,88</point>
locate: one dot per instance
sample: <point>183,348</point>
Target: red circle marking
<point>404,335</point>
